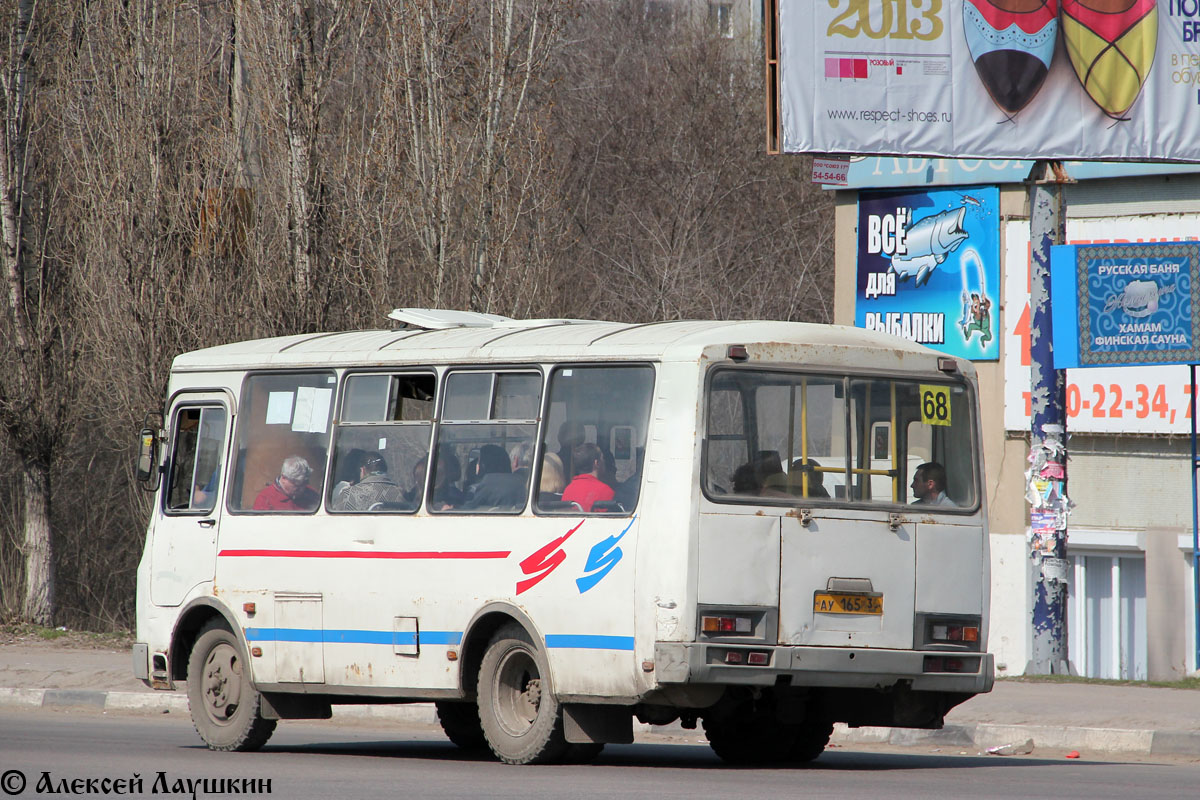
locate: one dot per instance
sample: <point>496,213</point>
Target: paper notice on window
<point>279,408</point>
<point>312,409</point>
<point>322,400</point>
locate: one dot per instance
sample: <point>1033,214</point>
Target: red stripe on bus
<point>362,554</point>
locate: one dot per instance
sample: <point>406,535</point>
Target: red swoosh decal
<point>544,560</point>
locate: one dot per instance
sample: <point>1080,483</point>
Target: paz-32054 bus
<point>551,528</point>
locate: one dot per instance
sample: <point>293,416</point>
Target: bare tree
<point>35,343</point>
<point>658,128</point>
<point>472,88</point>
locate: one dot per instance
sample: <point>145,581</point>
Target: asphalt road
<point>368,760</point>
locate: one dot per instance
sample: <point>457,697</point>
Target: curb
<point>1060,737</point>
<point>976,735</point>
<point>167,702</point>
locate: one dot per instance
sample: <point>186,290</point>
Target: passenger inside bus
<point>416,489</point>
<point>570,435</point>
<point>553,481</point>
<point>373,486</point>
<point>929,485</point>
<point>290,490</point>
<point>816,479</point>
<point>496,487</point>
<point>587,488</point>
<point>446,494</point>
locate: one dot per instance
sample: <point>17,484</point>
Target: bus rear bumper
<point>834,667</point>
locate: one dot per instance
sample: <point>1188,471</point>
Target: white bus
<point>551,528</point>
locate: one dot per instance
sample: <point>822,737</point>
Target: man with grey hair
<point>290,491</point>
<point>373,486</point>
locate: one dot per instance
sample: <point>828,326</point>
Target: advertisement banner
<point>929,268</point>
<point>1125,304</point>
<point>1135,399</point>
<point>1023,79</point>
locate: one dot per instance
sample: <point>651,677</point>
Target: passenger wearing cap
<point>290,491</point>
<point>373,486</point>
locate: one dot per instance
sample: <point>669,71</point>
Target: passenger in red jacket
<point>586,488</point>
<point>290,491</point>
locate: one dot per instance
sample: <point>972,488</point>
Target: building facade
<point>1131,604</point>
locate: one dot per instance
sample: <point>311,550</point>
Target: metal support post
<point>1047,476</point>
<point>1195,529</point>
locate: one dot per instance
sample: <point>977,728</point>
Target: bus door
<point>846,569</point>
<point>183,551</point>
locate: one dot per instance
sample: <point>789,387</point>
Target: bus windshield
<point>786,437</point>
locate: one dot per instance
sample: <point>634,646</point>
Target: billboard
<point>1145,399</point>
<point>1125,304</point>
<point>929,268</point>
<point>1022,79</point>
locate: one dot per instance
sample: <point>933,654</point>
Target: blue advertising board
<point>929,268</point>
<point>1125,304</point>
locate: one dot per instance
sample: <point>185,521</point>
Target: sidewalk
<point>1089,718</point>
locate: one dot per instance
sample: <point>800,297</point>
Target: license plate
<point>838,603</point>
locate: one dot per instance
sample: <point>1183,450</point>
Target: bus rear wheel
<point>748,737</point>
<point>460,722</point>
<point>224,704</point>
<point>520,716</point>
<point>811,739</point>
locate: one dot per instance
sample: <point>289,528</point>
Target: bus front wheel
<point>521,718</point>
<point>224,704</point>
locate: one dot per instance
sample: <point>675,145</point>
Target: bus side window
<point>284,420</point>
<point>488,427</point>
<point>381,443</point>
<point>602,407</point>
<point>195,470</point>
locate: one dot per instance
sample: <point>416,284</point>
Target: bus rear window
<point>780,437</point>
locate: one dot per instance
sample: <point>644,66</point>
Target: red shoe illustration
<point>1011,43</point>
<point>1111,44</point>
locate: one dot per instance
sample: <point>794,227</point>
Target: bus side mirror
<point>147,461</point>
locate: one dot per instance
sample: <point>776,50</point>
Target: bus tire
<point>811,738</point>
<point>749,738</point>
<point>460,723</point>
<point>224,704</point>
<point>521,718</point>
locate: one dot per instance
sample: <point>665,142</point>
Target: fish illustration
<point>927,243</point>
<point>1011,43</point>
<point>1111,44</point>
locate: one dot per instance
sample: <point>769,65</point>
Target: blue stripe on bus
<point>582,641</point>
<point>311,635</point>
<point>351,636</point>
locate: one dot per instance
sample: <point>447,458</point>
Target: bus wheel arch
<point>187,630</point>
<point>478,634</point>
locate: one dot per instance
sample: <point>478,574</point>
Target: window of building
<point>1106,616</point>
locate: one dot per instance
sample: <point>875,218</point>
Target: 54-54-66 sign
<point>989,78</point>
